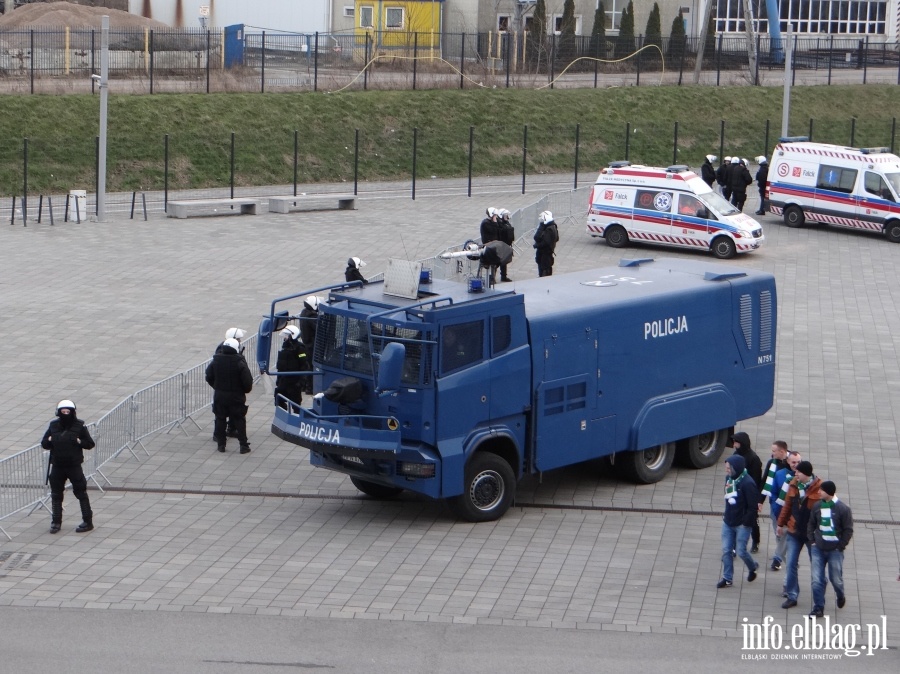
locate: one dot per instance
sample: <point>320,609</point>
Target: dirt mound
<point>39,14</point>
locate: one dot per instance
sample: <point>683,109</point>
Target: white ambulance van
<point>842,186</point>
<point>670,207</point>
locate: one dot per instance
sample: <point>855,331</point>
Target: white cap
<point>291,332</point>
<point>65,404</point>
<point>545,217</point>
<point>357,263</point>
<point>761,159</point>
<point>711,158</point>
<point>235,333</point>
<point>735,160</point>
<point>233,343</point>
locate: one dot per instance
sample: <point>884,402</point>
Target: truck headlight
<point>415,469</point>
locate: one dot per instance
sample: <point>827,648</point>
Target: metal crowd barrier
<point>168,404</point>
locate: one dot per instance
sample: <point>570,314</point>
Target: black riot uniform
<point>67,437</point>
<point>231,380</point>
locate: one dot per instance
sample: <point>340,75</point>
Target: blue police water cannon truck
<point>457,394</point>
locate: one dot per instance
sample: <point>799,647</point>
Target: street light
<point>103,79</point>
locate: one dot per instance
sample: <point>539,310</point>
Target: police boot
<point>55,514</point>
<point>86,514</point>
<point>245,448</point>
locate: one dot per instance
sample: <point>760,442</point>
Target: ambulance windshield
<point>718,203</point>
<point>894,180</point>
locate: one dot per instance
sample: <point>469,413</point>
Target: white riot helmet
<point>761,159</point>
<point>491,211</point>
<point>727,160</point>
<point>291,332</point>
<point>545,217</point>
<point>65,405</point>
<point>735,160</point>
<point>356,263</point>
<point>711,158</point>
<point>312,302</point>
<point>235,333</point>
<point>233,343</point>
<point>504,214</point>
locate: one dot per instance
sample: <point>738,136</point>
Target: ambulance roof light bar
<point>874,150</point>
<point>793,139</point>
<point>678,168</point>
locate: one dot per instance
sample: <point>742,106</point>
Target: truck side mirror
<point>267,326</point>
<point>390,368</point>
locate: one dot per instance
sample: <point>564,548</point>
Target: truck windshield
<point>718,203</point>
<point>894,180</point>
<point>343,343</point>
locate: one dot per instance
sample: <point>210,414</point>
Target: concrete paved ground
<point>97,311</point>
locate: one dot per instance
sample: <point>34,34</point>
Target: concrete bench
<point>311,202</point>
<point>179,209</point>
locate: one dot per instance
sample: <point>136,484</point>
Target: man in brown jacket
<point>803,494</point>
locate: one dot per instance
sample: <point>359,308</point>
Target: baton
<point>49,463</point>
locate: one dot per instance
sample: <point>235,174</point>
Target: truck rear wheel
<point>704,450</point>
<point>375,490</point>
<point>793,216</point>
<point>490,487</point>
<point>648,465</point>
<point>892,231</point>
<point>723,248</point>
<point>616,236</point>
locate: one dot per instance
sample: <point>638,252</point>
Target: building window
<point>557,24</point>
<point>503,23</point>
<point>834,17</point>
<point>365,17</point>
<point>393,17</point>
<point>613,11</point>
<point>349,11</point>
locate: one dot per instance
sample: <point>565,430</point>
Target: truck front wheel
<point>704,450</point>
<point>892,231</point>
<point>375,490</point>
<point>490,487</point>
<point>648,465</point>
<point>723,248</point>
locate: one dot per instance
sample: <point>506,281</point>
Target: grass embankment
<point>62,129</point>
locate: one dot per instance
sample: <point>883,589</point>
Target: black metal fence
<point>33,169</point>
<point>49,60</point>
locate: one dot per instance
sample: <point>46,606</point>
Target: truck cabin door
<point>690,224</point>
<point>870,202</point>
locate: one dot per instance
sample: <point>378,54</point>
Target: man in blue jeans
<point>829,531</point>
<point>802,496</point>
<point>741,501</point>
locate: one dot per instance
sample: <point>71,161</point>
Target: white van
<point>842,186</point>
<point>667,206</point>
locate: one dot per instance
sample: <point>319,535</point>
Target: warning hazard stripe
<point>662,238</point>
<point>852,223</point>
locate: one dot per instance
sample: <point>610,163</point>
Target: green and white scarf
<point>731,487</point>
<point>784,488</point>
<point>803,486</point>
<point>770,479</point>
<point>826,526</point>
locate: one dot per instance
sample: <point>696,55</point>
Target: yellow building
<point>394,25</point>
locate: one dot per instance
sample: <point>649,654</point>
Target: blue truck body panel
<point>545,373</point>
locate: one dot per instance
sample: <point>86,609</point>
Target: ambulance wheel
<point>375,490</point>
<point>616,236</point>
<point>793,216</point>
<point>702,451</point>
<point>490,487</point>
<point>892,231</point>
<point>647,466</point>
<point>723,248</point>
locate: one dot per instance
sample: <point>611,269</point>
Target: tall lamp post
<point>104,98</point>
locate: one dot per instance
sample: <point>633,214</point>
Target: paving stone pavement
<point>97,311</point>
